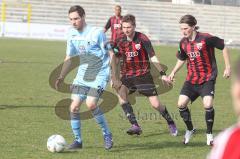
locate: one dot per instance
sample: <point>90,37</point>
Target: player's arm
<point>107,48</point>
<point>227,71</point>
<point>149,49</point>
<point>218,43</point>
<point>177,67</point>
<point>66,67</point>
<point>108,25</point>
<point>64,71</point>
<point>114,61</point>
<point>159,67</point>
<point>181,56</point>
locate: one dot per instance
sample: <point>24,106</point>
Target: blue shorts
<point>81,91</point>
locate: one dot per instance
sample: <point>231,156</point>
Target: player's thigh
<point>75,105</point>
<point>154,101</point>
<point>188,93</point>
<point>78,96</point>
<point>207,93</point>
<point>91,102</point>
<point>146,86</point>
<point>183,101</point>
<point>94,94</point>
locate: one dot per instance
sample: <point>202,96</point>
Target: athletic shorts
<point>193,91</point>
<point>143,84</point>
<point>82,91</point>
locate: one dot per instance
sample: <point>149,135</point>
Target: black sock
<point>209,117</point>
<point>185,114</point>
<point>128,110</point>
<point>166,116</point>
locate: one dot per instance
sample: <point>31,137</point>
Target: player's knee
<point>74,108</point>
<point>207,103</point>
<point>122,99</point>
<point>157,105</point>
<point>121,102</point>
<point>181,104</point>
<point>91,105</point>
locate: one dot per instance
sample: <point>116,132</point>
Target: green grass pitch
<point>28,118</point>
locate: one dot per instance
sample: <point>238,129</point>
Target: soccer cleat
<point>108,142</point>
<point>134,130</point>
<point>210,139</point>
<point>75,145</point>
<point>173,129</point>
<point>188,136</point>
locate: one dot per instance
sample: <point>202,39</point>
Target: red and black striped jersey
<point>200,56</point>
<point>226,145</point>
<point>115,23</point>
<point>135,55</point>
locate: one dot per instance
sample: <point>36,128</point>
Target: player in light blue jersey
<point>90,44</point>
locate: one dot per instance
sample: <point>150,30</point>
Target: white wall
<point>182,1</point>
<point>35,31</point>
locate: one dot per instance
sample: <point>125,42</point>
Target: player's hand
<point>227,72</point>
<point>171,76</point>
<point>58,82</point>
<point>167,80</point>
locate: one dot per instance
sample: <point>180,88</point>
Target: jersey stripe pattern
<point>115,24</point>
<point>200,56</point>
<point>135,55</point>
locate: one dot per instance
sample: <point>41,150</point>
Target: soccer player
<point>136,52</point>
<point>226,145</point>
<point>88,43</point>
<point>198,50</point>
<point>114,23</point>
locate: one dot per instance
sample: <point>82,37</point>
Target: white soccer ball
<point>56,143</point>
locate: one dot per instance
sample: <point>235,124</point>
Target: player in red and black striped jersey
<point>115,23</point>
<point>135,53</point>
<point>198,50</point>
<point>226,145</point>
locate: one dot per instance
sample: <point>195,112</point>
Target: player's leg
<point>186,116</point>
<point>77,99</point>
<point>188,93</point>
<point>91,102</point>
<point>127,107</point>
<point>183,101</point>
<point>146,86</point>
<point>207,93</point>
<point>156,104</point>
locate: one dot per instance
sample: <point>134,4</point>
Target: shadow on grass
<point>165,144</point>
<point>6,106</point>
<point>154,146</point>
<point>70,152</point>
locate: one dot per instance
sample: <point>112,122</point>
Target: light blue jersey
<point>90,46</point>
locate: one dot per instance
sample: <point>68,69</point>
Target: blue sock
<point>76,126</point>
<point>100,119</point>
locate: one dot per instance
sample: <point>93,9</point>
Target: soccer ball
<point>56,143</point>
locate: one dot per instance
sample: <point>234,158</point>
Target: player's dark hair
<point>78,9</point>
<point>190,20</point>
<point>129,18</point>
<point>118,6</point>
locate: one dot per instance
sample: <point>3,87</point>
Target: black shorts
<point>193,91</point>
<point>143,84</point>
